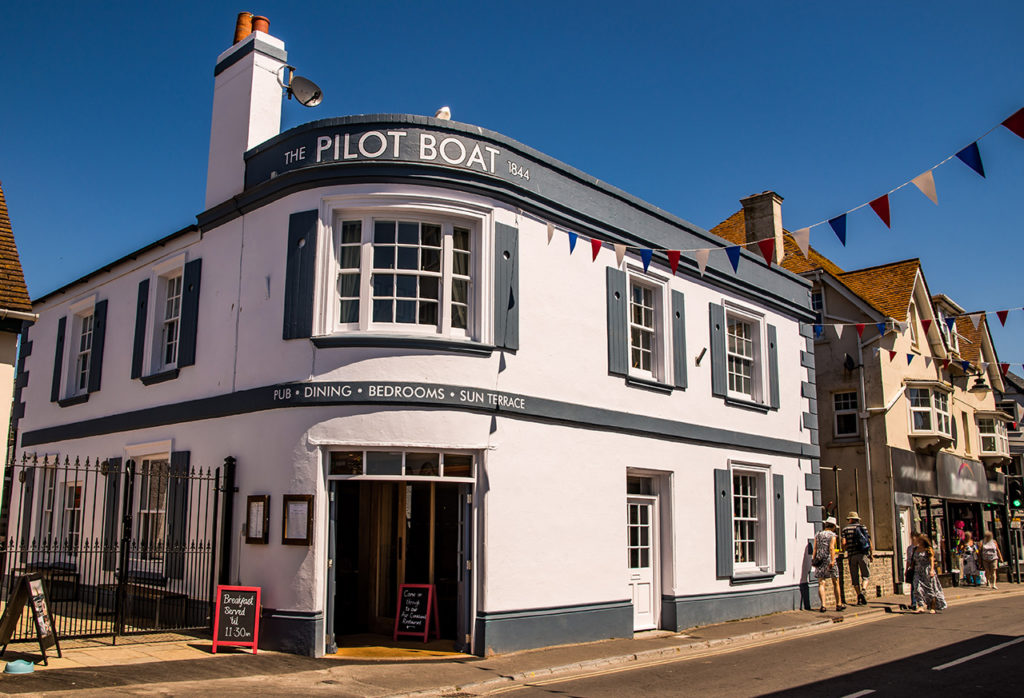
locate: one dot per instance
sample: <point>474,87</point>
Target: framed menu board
<point>257,518</point>
<point>297,519</point>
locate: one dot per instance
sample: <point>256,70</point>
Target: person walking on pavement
<point>926,581</point>
<point>969,557</point>
<point>823,559</point>
<point>857,545</point>
<point>991,556</point>
<point>908,568</point>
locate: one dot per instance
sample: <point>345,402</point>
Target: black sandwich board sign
<point>236,621</point>
<point>415,603</point>
<point>28,590</point>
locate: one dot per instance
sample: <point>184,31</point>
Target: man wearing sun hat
<point>857,546</point>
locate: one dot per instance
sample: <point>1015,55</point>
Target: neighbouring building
<point>1011,401</point>
<point>910,433</point>
<point>378,319</point>
<point>15,309</point>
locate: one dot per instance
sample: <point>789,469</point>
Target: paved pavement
<point>186,667</point>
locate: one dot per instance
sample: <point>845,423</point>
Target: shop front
<point>946,497</point>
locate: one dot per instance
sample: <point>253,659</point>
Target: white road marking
<point>858,694</point>
<point>969,657</point>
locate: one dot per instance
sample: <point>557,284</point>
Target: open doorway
<point>393,532</point>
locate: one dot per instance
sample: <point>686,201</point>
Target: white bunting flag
<point>902,326</point>
<point>927,362</point>
<point>702,259</point>
<point>803,240</point>
<point>551,232</point>
<point>839,331</point>
<point>620,254</point>
<point>874,351</point>
<point>976,319</point>
<point>926,183</point>
<point>984,366</point>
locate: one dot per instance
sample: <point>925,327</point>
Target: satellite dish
<point>306,92</point>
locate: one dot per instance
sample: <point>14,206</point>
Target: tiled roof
<point>970,338</point>
<point>13,294</point>
<point>734,229</point>
<point>887,287</point>
<point>1016,380</point>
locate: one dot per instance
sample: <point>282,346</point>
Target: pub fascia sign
<point>397,392</point>
<point>334,145</point>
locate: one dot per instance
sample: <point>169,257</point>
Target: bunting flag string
<point>969,155</point>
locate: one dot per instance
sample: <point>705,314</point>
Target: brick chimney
<point>246,105</point>
<point>762,214</point>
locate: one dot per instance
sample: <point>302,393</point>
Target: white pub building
<point>371,318</point>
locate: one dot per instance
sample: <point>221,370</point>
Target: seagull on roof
<point>443,113</point>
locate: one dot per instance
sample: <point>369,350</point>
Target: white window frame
<point>164,276</point>
<point>71,517</point>
<point>937,416</point>
<point>79,313</point>
<point>997,437</point>
<point>819,295</point>
<point>759,364</point>
<point>912,322</point>
<point>763,530</point>
<point>660,349</point>
<point>846,410</point>
<point>144,514</point>
<point>405,452</point>
<point>423,208</point>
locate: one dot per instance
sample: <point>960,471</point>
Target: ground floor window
<point>442,464</point>
<point>750,501</point>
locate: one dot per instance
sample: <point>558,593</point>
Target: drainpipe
<point>867,441</point>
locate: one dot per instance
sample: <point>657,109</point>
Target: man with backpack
<point>857,546</point>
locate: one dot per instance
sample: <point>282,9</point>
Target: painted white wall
<point>246,111</point>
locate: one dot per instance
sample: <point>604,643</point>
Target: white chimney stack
<point>246,104</point>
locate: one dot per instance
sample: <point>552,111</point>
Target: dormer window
<point>912,321</point>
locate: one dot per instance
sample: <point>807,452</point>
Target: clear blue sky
<point>104,125</point>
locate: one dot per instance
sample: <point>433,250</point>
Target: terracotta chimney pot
<point>243,27</point>
<point>260,24</point>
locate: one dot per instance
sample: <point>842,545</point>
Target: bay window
<point>406,274</point>
<point>993,436</point>
<point>929,411</point>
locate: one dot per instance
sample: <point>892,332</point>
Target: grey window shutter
<point>719,374</point>
<point>618,339</point>
<point>779,512</point>
<point>723,523</point>
<point>678,340</point>
<point>773,368</point>
<point>141,312</point>
<point>300,270</point>
<point>99,331</point>
<point>189,312</point>
<point>177,514</point>
<point>58,359</point>
<point>506,286</point>
<point>111,502</point>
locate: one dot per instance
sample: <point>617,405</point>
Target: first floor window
<point>929,411</point>
<point>643,328</point>
<point>993,436</point>
<point>743,353</point>
<point>407,274</point>
<point>171,321</point>
<point>749,500</point>
<point>818,306</point>
<point>83,355</point>
<point>845,407</point>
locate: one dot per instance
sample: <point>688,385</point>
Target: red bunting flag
<point>860,329</point>
<point>673,260</point>
<point>1002,316</point>
<point>926,324</point>
<point>945,363</point>
<point>881,207</point>
<point>767,249</point>
<point>892,354</point>
<point>1016,122</point>
<point>595,246</point>
<point>1004,368</point>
